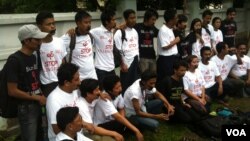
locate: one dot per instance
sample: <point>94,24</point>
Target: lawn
<point>177,132</point>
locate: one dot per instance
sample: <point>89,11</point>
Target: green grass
<point>176,132</point>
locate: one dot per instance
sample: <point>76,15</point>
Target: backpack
<point>72,43</point>
<point>8,104</point>
<point>117,53</point>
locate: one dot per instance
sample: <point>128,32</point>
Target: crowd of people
<point>86,100</point>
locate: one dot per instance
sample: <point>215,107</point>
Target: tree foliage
<point>33,6</point>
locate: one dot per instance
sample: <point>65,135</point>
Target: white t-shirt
<point>218,37</point>
<point>196,47</point>
<point>103,43</point>
<point>105,109</point>
<point>55,101</point>
<point>209,72</point>
<point>86,109</point>
<point>224,65</point>
<point>135,91</point>
<point>165,36</point>
<point>80,137</point>
<point>211,29</point>
<point>51,55</point>
<point>130,48</point>
<point>206,37</point>
<point>241,70</point>
<point>193,82</point>
<point>82,55</point>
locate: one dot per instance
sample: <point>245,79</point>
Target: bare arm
<point>122,112</point>
<point>125,122</point>
<point>55,128</point>
<point>105,132</point>
<point>172,43</point>
<point>166,103</point>
<point>138,111</point>
<point>17,93</point>
<point>191,95</point>
<point>219,81</point>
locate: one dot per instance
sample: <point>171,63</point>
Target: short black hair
<point>180,63</point>
<point>230,10</point>
<point>182,18</point>
<point>148,74</point>
<point>127,12</point>
<point>207,12</point>
<point>88,86</point>
<point>65,116</point>
<point>220,46</point>
<point>240,43</point>
<point>81,15</point>
<point>215,19</point>
<point>109,82</point>
<point>43,15</point>
<point>106,16</point>
<point>205,48</point>
<point>150,13</point>
<point>169,14</point>
<point>190,58</point>
<point>66,72</point>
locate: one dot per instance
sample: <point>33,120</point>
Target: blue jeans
<point>153,107</point>
<point>29,115</point>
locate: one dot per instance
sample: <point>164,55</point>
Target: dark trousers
<point>184,114</point>
<point>48,88</point>
<point>233,87</point>
<point>113,125</point>
<point>212,92</point>
<point>101,74</point>
<point>29,116</point>
<point>165,66</point>
<point>128,78</point>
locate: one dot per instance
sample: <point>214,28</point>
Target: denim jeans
<point>29,115</point>
<point>153,107</point>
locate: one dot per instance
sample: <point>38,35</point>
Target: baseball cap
<point>30,31</point>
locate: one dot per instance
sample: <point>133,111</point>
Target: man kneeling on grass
<point>142,111</point>
<point>110,114</point>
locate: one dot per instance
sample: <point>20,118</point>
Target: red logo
<point>50,55</point>
<point>85,43</point>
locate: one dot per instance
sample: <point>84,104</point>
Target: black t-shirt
<point>171,89</point>
<point>26,76</point>
<point>182,45</point>
<point>228,29</point>
<point>146,37</point>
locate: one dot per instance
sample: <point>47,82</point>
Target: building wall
<point>10,23</point>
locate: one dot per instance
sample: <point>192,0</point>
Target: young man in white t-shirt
<point>242,71</point>
<point>140,109</point>
<point>90,93</point>
<point>69,121</point>
<point>65,94</point>
<point>51,53</point>
<point>211,75</point>
<point>83,54</point>
<point>110,114</point>
<point>167,46</point>
<point>129,49</point>
<point>194,87</point>
<point>103,43</point>
<point>207,29</point>
<point>225,63</point>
